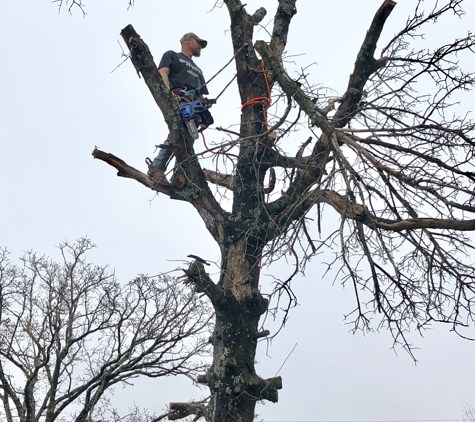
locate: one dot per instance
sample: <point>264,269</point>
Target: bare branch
<point>124,170</point>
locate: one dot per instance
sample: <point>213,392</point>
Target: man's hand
<point>208,102</point>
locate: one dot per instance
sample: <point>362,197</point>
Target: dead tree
<point>388,159</point>
<point>69,332</point>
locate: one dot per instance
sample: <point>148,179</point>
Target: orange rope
<point>264,72</point>
<point>261,100</point>
<point>258,100</point>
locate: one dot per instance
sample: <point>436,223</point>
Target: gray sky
<point>59,100</point>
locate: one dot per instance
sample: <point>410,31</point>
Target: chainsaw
<point>194,113</point>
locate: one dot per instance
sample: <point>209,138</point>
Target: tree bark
<point>234,385</point>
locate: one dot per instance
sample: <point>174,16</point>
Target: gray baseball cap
<point>202,42</point>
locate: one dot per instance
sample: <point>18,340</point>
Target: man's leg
<point>156,170</point>
<point>161,160</point>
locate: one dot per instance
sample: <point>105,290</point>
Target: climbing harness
<point>193,112</point>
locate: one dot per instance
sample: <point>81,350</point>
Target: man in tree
<point>185,79</point>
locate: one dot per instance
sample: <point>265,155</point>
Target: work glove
<point>208,102</point>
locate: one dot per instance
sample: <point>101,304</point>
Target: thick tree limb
<point>265,389</point>
<point>143,62</point>
<point>124,170</point>
<point>274,158</point>
<point>365,65</point>
<point>201,281</point>
<point>241,33</point>
<point>182,410</point>
<point>214,220</point>
<point>224,180</point>
<point>360,213</point>
<point>227,180</point>
<point>258,15</point>
<point>262,334</point>
<point>292,88</point>
<point>425,223</point>
<point>253,90</point>
<point>282,18</point>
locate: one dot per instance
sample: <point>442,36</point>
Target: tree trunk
<point>232,379</point>
<point>234,385</point>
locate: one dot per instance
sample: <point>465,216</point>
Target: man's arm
<point>164,72</point>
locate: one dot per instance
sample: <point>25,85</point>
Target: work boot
<point>157,174</point>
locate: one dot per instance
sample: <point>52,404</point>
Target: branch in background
<point>52,313</point>
<point>365,65</point>
<point>72,3</point>
<point>360,213</point>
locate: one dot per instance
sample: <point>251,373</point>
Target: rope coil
<point>261,100</point>
<point>258,100</point>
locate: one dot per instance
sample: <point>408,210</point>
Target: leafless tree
<point>395,163</point>
<point>468,413</point>
<point>69,332</point>
<point>70,5</point>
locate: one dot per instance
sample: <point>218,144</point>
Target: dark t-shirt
<point>183,72</point>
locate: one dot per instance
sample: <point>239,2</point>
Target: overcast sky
<point>59,100</point>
